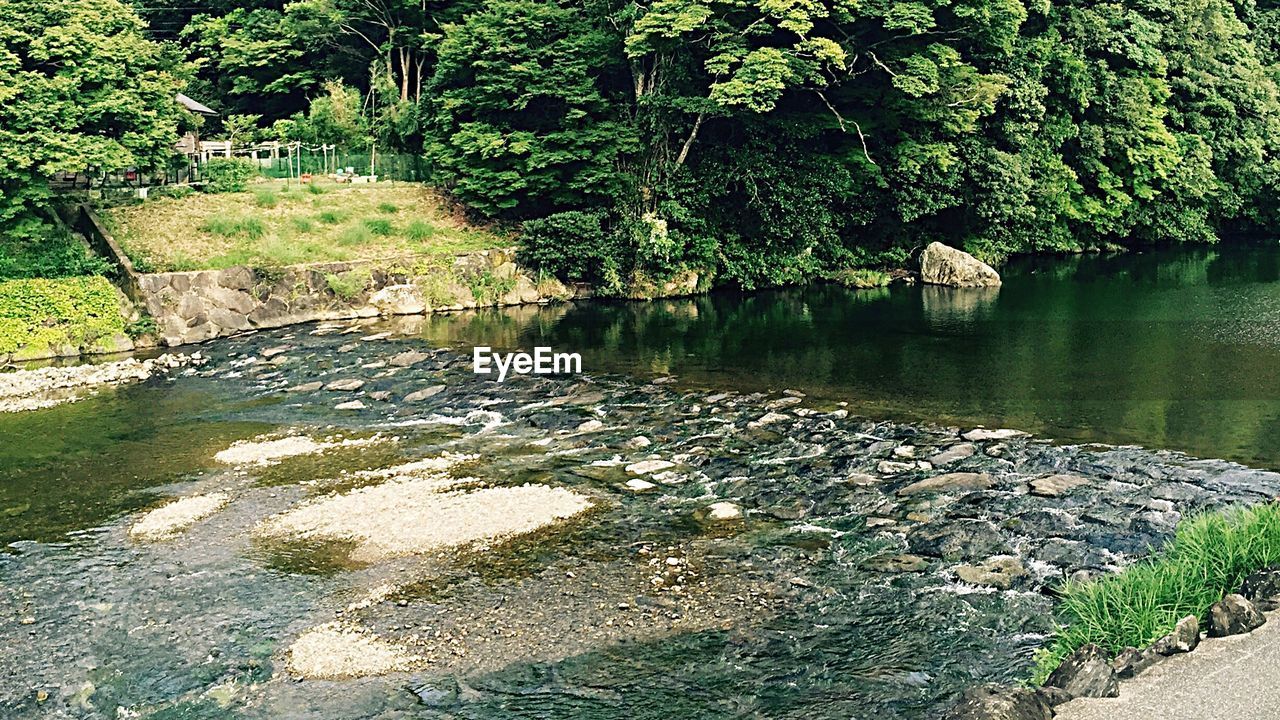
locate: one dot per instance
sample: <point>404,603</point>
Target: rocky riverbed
<point>615,547</point>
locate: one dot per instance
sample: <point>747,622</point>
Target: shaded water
<point>1173,349</point>
<point>787,615</point>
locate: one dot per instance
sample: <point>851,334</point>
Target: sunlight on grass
<point>1209,557</point>
<point>276,224</point>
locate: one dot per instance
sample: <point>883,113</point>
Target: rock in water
<point>944,265</point>
<point>1233,615</point>
<point>1086,673</point>
<point>996,703</point>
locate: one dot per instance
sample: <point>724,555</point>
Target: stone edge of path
<point>1089,674</point>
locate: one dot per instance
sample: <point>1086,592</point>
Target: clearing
<point>273,224</point>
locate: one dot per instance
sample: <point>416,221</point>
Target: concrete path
<point>1236,677</point>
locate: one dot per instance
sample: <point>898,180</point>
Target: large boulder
<point>944,265</point>
<point>399,300</point>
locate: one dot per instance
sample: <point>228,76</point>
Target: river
<point>836,597</point>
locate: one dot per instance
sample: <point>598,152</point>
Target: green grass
<point>355,235</point>
<point>1209,557</point>
<point>234,226</point>
<point>331,217</point>
<point>315,189</point>
<point>265,197</point>
<point>348,285</point>
<point>388,208</point>
<point>420,231</point>
<point>379,226</point>
<point>302,224</point>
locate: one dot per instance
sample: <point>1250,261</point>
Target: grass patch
<point>379,226</point>
<point>1209,557</point>
<point>348,285</point>
<point>266,198</point>
<point>218,230</point>
<point>861,278</point>
<point>234,226</point>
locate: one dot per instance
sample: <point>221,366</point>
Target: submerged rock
<point>944,265</point>
<point>961,540</point>
<point>423,394</point>
<point>347,385</point>
<point>724,511</point>
<point>981,434</point>
<point>1234,615</point>
<point>1056,485</point>
<point>997,572</point>
<point>949,482</point>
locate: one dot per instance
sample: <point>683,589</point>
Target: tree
<point>79,87</point>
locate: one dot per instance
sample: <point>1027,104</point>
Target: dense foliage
<point>80,87</point>
<point>38,314</point>
<point>767,140</point>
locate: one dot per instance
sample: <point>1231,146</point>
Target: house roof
<point>194,106</point>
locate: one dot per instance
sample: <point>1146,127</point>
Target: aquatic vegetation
<point>1209,556</point>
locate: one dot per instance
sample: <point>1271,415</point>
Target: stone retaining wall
<point>191,307</point>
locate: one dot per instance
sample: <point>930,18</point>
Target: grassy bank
<point>273,225</point>
<point>1209,557</point>
<point>39,314</point>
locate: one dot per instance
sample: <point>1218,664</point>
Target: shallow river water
<point>838,595</point>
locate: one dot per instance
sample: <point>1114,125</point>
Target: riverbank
<point>744,535</point>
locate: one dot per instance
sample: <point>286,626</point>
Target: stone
<point>1086,673</point>
<point>228,319</point>
<point>592,425</point>
<point>237,278</point>
<point>768,418</point>
<point>879,522</point>
<point>954,453</point>
<point>904,452</point>
<point>1056,485</point>
<point>724,511</point>
<point>1262,588</point>
<point>1131,661</point>
<point>352,405</point>
<point>345,385</point>
<point>1234,615</point>
<point>959,540</point>
<point>274,351</point>
<point>423,394</point>
<point>399,300</point>
<point>949,482</point>
<point>381,395</point>
<point>638,485</point>
<point>981,434</point>
<point>408,358</point>
<point>944,265</point>
<point>998,572</point>
<point>1000,703</point>
<point>638,442</point>
<point>307,387</point>
<point>1184,638</point>
<point>645,467</point>
<point>890,467</point>
<point>897,563</point>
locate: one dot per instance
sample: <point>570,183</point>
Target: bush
<point>331,217</point>
<point>388,208</point>
<point>52,256</point>
<point>266,198</point>
<point>39,313</point>
<point>348,285</point>
<point>420,231</point>
<point>573,246</point>
<point>223,175</point>
<point>1209,557</point>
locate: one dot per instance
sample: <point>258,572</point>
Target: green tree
<point>80,87</point>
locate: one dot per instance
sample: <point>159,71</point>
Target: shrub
<point>571,245</point>
<point>1209,556</point>
<point>331,217</point>
<point>302,225</point>
<point>223,175</point>
<point>41,313</point>
<point>388,208</point>
<point>379,226</point>
<point>315,189</point>
<point>52,255</point>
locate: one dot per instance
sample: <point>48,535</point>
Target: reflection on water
<point>1176,349</point>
